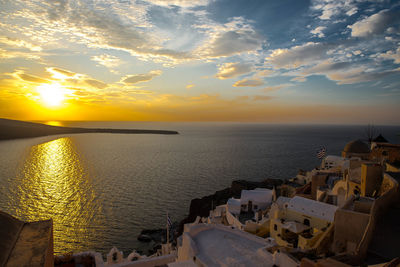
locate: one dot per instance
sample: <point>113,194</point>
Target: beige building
<point>301,223</point>
<point>355,222</point>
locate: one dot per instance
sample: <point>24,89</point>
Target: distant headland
<point>13,129</point>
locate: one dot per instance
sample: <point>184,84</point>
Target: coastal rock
<point>157,235</point>
<point>144,238</point>
<point>202,206</point>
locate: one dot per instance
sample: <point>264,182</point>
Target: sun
<point>51,94</point>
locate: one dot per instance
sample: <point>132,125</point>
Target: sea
<point>101,189</point>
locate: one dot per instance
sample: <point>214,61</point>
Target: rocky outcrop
<point>202,206</point>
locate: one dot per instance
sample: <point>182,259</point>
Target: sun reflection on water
<point>54,185</point>
<point>54,123</point>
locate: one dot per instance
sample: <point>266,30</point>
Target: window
<point>275,227</point>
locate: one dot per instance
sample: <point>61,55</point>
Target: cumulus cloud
<point>319,31</point>
<point>297,56</point>
<point>234,42</point>
<point>393,55</point>
<point>375,24</point>
<point>137,78</point>
<point>249,83</point>
<point>332,8</point>
<point>232,38</point>
<point>232,69</point>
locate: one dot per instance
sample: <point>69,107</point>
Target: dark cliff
<point>12,129</point>
<point>202,206</point>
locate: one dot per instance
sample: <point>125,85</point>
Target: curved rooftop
<point>356,146</point>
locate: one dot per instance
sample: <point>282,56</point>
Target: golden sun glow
<point>51,94</point>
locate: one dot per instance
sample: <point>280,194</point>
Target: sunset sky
<point>322,61</point>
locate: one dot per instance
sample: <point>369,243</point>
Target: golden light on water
<point>55,185</point>
<point>54,123</point>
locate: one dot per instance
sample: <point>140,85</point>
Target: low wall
<point>232,220</point>
<point>150,262</point>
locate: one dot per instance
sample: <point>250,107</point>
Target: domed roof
<point>356,146</point>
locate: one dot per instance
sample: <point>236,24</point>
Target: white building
<point>251,200</point>
<point>309,208</point>
<point>335,162</point>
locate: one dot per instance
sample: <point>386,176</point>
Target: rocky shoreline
<point>201,207</point>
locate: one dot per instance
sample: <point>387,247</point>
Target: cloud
<point>332,8</point>
<point>130,26</point>
<point>61,73</point>
<point>30,78</point>
<point>375,24</point>
<point>234,42</point>
<point>232,38</point>
<point>297,56</point>
<point>266,73</point>
<point>107,60</point>
<point>180,3</point>
<point>19,43</point>
<point>276,87</point>
<point>327,67</point>
<point>393,55</point>
<point>137,78</point>
<point>319,31</point>
<point>97,25</point>
<point>300,79</point>
<point>262,97</point>
<point>95,83</point>
<point>249,83</point>
<point>231,70</point>
<point>358,75</point>
<point>345,72</point>
<point>17,54</point>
